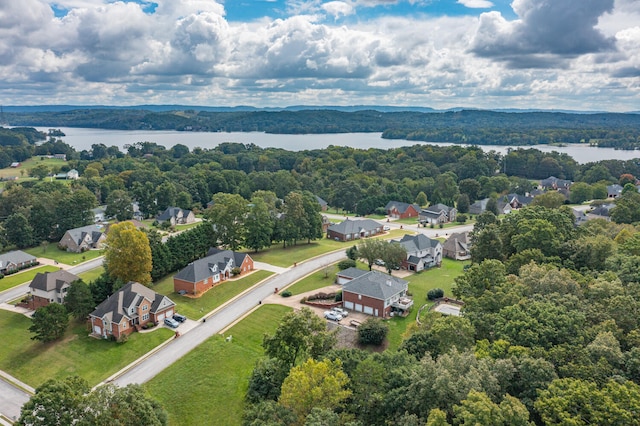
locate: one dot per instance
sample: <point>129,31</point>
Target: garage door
<point>358,308</point>
<point>348,305</point>
<point>169,313</point>
<point>160,317</point>
<point>368,310</point>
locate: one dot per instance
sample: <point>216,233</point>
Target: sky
<point>528,54</point>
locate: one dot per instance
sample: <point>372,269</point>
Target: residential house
<point>438,213</point>
<point>62,157</point>
<point>399,210</point>
<point>580,217</point>
<point>554,183</point>
<point>326,223</point>
<point>50,287</point>
<point>480,207</point>
<point>517,201</point>
<point>176,216</point>
<point>99,214</point>
<point>422,252</point>
<point>203,274</point>
<point>346,275</point>
<point>82,239</point>
<point>73,174</point>
<point>137,214</point>
<point>457,246</point>
<point>614,191</point>
<point>128,309</point>
<point>323,204</point>
<point>16,260</point>
<point>601,212</point>
<point>349,230</point>
<point>378,294</point>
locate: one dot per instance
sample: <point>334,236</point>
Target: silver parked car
<point>340,311</point>
<point>333,316</point>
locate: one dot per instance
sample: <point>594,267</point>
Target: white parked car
<point>340,311</point>
<point>333,316</point>
<point>386,228</point>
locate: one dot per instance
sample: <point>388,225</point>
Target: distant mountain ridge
<point>248,108</point>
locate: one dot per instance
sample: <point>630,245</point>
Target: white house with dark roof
<point>203,274</point>
<point>128,309</point>
<point>377,294</point>
<point>438,213</point>
<point>50,287</point>
<point>350,230</point>
<point>422,252</point>
<point>84,238</point>
<point>15,260</point>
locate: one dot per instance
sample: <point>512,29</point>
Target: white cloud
<point>476,4</point>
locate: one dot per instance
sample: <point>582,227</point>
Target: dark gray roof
<point>322,202</point>
<point>400,206</point>
<point>78,234</point>
<point>16,256</point>
<point>376,285</point>
<point>130,295</point>
<point>522,199</point>
<point>431,213</point>
<point>457,241</point>
<point>603,210</point>
<point>414,243</point>
<point>437,208</point>
<point>352,273</point>
<point>172,212</point>
<point>202,268</point>
<point>52,280</point>
<point>355,226</point>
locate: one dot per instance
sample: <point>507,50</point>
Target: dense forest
<point>465,126</point>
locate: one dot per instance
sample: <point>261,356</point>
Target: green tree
<point>166,194</point>
<point>580,192</point>
<point>393,254</point>
<point>445,189</point>
<point>550,200</point>
<point>56,402</point>
<point>79,300</point>
<point>421,199</point>
<point>463,204</point>
<point>128,254</point>
<point>18,231</point>
<point>39,171</point>
<point>372,332</point>
<point>627,209</point>
<point>471,187</point>
<point>49,322</point>
<point>314,384</point>
<point>370,250</point>
<point>259,225</point>
<point>110,405</point>
<point>119,205</point>
<point>492,206</point>
<point>295,219</point>
<point>437,417</point>
<point>300,335</point>
<point>312,228</point>
<point>227,215</point>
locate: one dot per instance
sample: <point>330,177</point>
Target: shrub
<point>1,276</point>
<point>123,338</point>
<point>235,271</point>
<point>338,297</point>
<point>462,218</point>
<point>431,225</point>
<point>285,293</point>
<point>435,293</point>
<point>441,225</point>
<point>346,264</point>
<point>372,332</point>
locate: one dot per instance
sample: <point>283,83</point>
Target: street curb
<point>16,383</point>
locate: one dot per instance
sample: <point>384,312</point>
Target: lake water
<point>82,139</point>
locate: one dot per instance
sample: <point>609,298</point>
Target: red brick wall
<point>247,264</point>
<point>366,301</point>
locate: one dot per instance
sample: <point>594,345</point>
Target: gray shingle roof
<point>352,273</point>
<point>172,212</point>
<point>131,294</point>
<point>376,285</point>
<point>201,268</point>
<point>52,280</point>
<point>355,226</point>
<point>400,206</point>
<point>16,256</point>
<point>415,243</point>
<point>438,208</point>
<point>457,241</point>
<point>77,234</point>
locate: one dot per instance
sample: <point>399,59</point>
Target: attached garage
<point>160,317</point>
<point>358,307</point>
<point>348,305</point>
<point>368,310</point>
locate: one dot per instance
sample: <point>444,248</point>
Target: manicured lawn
<point>315,281</point>
<point>63,256</point>
<point>13,280</point>
<point>196,308</point>
<point>76,354</point>
<point>91,274</point>
<point>28,164</point>
<point>408,221</point>
<point>208,385</point>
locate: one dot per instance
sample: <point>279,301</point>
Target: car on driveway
<point>342,312</point>
<point>171,322</point>
<point>179,318</point>
<point>333,316</point>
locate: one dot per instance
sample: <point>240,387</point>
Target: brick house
<point>349,230</point>
<point>203,274</point>
<point>377,294</point>
<point>82,239</point>
<point>15,260</point>
<point>50,287</point>
<point>128,309</point>
<point>399,210</point>
<point>176,216</point>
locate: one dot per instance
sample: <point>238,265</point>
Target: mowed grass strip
<point>208,385</point>
<point>68,258</point>
<point>22,277</point>
<point>76,353</point>
<point>196,308</point>
<point>91,274</point>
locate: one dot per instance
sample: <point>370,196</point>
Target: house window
<point>124,326</point>
<point>145,317</point>
<point>145,307</point>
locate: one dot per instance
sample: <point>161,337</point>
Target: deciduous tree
<point>128,254</point>
<point>49,322</point>
<point>79,300</point>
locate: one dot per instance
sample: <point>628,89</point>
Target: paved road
<point>12,400</point>
<point>227,315</point>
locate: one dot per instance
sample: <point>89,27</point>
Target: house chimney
<point>389,283</point>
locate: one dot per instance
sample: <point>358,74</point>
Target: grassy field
<point>91,274</point>
<point>28,164</point>
<point>315,281</point>
<point>76,354</point>
<point>68,258</point>
<point>210,382</point>
<point>196,308</point>
<point>13,280</point>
